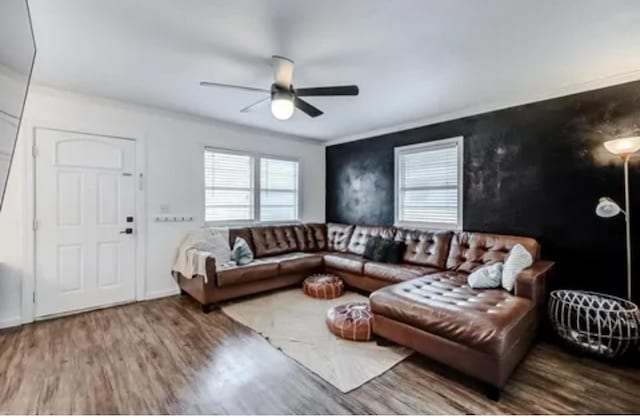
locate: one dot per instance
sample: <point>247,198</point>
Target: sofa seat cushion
<point>488,320</point>
<point>257,270</point>
<point>296,262</point>
<point>350,263</point>
<point>395,272</point>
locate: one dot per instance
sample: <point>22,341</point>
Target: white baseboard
<point>12,321</point>
<point>156,294</point>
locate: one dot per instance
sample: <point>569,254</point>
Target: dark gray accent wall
<point>535,170</point>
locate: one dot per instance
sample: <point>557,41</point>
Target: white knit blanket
<point>197,245</point>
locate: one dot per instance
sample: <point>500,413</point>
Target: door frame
<point>29,199</point>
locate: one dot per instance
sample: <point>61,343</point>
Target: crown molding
<point>523,99</point>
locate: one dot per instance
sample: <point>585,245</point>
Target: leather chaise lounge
<point>423,303</point>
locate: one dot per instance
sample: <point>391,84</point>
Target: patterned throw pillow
<point>519,259</point>
<point>487,277</point>
<point>241,252</point>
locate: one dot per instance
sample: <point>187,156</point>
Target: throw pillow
<point>372,249</point>
<point>241,252</point>
<point>487,277</point>
<point>396,251</point>
<point>519,259</point>
<point>384,249</point>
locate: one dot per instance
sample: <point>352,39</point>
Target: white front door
<point>85,202</point>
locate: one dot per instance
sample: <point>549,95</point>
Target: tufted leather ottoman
<point>323,286</point>
<point>351,321</point>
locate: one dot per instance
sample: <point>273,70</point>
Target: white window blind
<point>229,186</point>
<point>278,190</point>
<point>428,184</point>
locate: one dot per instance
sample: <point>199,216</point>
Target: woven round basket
<point>323,286</point>
<point>595,323</point>
<point>351,321</point>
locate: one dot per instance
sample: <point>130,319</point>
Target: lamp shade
<point>607,208</point>
<point>623,146</point>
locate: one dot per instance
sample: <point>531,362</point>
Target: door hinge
<point>34,150</point>
<point>34,297</point>
<point>35,224</point>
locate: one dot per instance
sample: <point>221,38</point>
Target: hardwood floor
<point>165,356</point>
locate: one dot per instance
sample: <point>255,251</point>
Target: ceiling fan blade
<point>255,105</point>
<point>283,71</point>
<point>231,86</point>
<point>307,108</point>
<point>351,90</point>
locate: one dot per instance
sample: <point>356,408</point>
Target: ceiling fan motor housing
<point>278,93</point>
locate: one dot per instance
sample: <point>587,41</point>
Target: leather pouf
<point>323,286</point>
<point>351,321</point>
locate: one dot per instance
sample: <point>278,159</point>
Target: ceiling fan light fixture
<point>282,106</point>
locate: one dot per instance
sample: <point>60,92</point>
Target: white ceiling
<point>414,60</point>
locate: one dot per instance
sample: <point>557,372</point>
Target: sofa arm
<point>531,282</point>
<point>210,266</point>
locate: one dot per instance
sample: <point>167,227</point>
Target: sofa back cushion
<point>338,236</point>
<point>361,235</point>
<point>471,250</point>
<point>245,234</point>
<point>306,239</point>
<point>319,232</point>
<point>425,248</point>
<point>274,240</point>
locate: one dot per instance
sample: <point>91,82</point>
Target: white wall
<point>174,177</point>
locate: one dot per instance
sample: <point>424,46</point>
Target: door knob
<point>127,231</point>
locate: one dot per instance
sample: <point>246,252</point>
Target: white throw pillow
<point>486,277</point>
<point>216,241</point>
<point>519,259</point>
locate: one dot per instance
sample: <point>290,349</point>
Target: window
<point>234,194</point>
<point>278,190</point>
<point>229,190</point>
<point>429,184</point>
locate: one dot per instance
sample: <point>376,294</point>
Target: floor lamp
<point>607,208</point>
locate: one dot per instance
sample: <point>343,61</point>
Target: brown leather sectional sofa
<point>423,303</point>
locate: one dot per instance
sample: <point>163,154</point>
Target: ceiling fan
<point>283,96</point>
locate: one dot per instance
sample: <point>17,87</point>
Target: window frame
<point>258,166</point>
<point>252,187</point>
<point>426,146</point>
<point>256,186</point>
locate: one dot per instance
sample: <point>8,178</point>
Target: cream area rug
<point>295,324</point>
